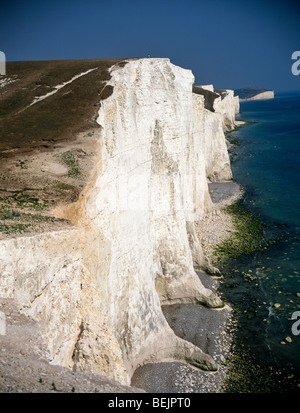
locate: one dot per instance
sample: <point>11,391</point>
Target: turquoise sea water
<point>266,163</point>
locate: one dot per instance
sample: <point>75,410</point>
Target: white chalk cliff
<point>269,94</point>
<point>97,289</point>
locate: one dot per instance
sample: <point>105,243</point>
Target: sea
<point>265,161</point>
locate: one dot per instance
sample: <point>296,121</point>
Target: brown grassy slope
<point>69,111</point>
<point>46,150</point>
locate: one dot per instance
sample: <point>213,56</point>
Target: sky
<point>229,43</point>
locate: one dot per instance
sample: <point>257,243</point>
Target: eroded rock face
<point>216,156</point>
<point>226,105</point>
<point>220,101</point>
<point>97,289</point>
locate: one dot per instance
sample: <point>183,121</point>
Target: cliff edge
<point>123,242</point>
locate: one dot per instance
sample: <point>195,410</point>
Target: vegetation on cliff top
<point>35,139</point>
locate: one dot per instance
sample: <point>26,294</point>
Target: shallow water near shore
<point>265,162</point>
<point>262,287</point>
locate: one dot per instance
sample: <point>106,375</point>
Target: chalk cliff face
<point>261,96</point>
<point>97,289</point>
<point>253,93</point>
<point>219,116</point>
<point>226,105</point>
<point>220,101</point>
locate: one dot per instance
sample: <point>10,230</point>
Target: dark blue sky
<point>229,43</point>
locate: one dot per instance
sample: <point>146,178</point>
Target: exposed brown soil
<point>47,149</point>
<point>58,118</point>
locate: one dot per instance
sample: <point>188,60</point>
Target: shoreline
<point>217,225</point>
<point>215,331</point>
<point>212,330</point>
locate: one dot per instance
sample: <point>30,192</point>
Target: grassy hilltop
<point>46,146</point>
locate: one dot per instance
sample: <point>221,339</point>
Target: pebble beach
<point>212,330</point>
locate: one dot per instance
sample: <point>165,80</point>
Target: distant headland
<point>253,93</point>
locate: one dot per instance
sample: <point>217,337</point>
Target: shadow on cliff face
<point>209,97</point>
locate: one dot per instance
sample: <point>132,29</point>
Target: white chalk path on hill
<point>57,88</point>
